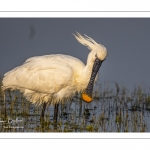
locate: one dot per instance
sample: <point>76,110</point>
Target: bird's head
<point>97,56</point>
<point>100,52</point>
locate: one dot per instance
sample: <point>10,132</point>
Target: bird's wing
<point>44,62</point>
<point>42,74</point>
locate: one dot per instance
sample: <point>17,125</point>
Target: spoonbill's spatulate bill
<point>55,78</point>
<point>87,96</point>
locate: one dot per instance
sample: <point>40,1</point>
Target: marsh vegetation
<point>112,110</point>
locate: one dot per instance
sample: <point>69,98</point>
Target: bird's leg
<point>4,105</point>
<point>55,115</point>
<point>43,111</point>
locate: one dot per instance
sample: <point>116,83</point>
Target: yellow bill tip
<point>86,98</point>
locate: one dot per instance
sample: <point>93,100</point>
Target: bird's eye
<point>96,55</point>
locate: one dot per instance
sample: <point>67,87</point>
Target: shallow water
<point>109,112</point>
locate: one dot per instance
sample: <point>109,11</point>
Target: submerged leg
<point>43,111</point>
<point>55,115</point>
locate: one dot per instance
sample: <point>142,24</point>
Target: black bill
<point>87,94</point>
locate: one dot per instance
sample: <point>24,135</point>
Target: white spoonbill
<point>51,79</point>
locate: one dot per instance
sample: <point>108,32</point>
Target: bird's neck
<point>83,77</point>
<point>86,72</point>
<point>88,68</point>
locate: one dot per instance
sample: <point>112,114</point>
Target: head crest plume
<point>87,41</point>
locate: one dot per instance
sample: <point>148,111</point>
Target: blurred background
<point>121,99</point>
<point>126,39</point>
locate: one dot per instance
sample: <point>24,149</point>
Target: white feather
<point>52,78</point>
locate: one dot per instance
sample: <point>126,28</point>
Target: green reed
<point>112,110</point>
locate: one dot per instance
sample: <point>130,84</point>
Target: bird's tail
<point>9,80</point>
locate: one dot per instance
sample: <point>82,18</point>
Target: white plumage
<point>54,78</point>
